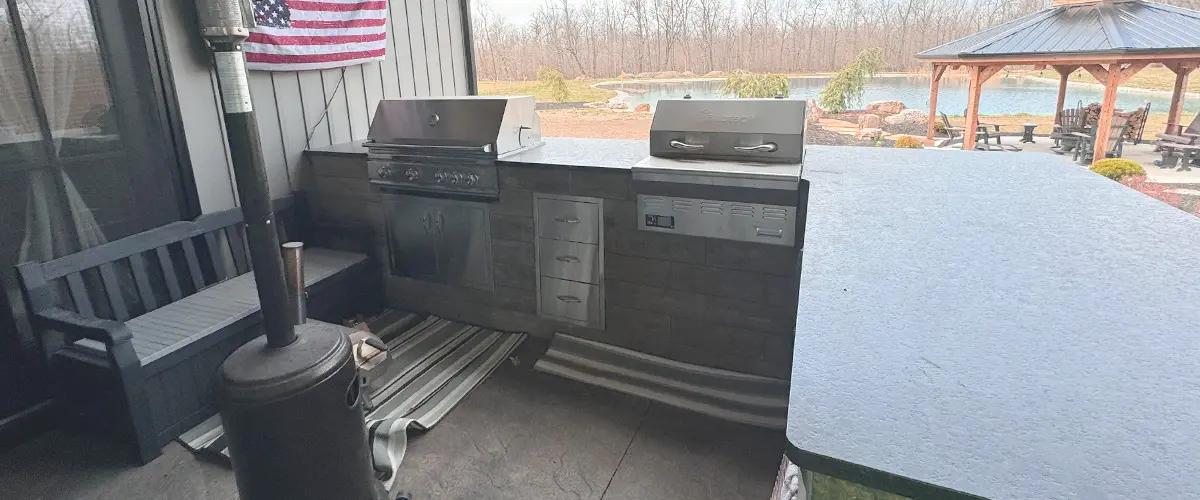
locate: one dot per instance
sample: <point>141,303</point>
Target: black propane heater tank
<point>290,401</point>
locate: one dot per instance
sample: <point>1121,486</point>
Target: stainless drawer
<point>568,220</point>
<point>577,303</point>
<point>569,260</point>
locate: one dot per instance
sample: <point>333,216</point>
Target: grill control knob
<point>439,176</point>
<point>472,179</point>
<point>385,172</point>
<point>412,174</point>
<point>457,178</point>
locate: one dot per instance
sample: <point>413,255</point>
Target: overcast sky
<point>518,11</point>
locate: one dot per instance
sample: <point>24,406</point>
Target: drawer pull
<point>568,259</point>
<point>566,220</point>
<point>774,233</point>
<point>569,299</point>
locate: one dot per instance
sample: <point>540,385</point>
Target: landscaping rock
<point>715,74</point>
<point>908,116</point>
<point>869,121</point>
<point>815,113</point>
<point>885,107</point>
<point>645,108</point>
<point>668,74</point>
<point>645,74</point>
<point>869,133</point>
<point>687,74</point>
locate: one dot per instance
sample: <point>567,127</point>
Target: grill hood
<point>497,125</point>
<point>748,130</point>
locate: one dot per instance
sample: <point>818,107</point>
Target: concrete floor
<point>1142,153</point>
<point>520,435</point>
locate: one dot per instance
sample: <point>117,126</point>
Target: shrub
<point>846,87</point>
<point>939,127</point>
<point>1116,168</point>
<point>554,82</point>
<point>908,142</point>
<point>745,84</point>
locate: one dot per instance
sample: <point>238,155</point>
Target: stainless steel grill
<point>448,146</point>
<point>725,169</point>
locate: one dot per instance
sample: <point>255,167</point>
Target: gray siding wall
<point>427,57</point>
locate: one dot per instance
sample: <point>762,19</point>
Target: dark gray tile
<point>654,299</point>
<point>340,209</point>
<point>637,269</point>
<point>631,328</point>
<point>758,316</point>
<point>729,342</point>
<point>511,227</point>
<point>538,179</point>
<point>627,241</point>
<point>602,183</point>
<point>524,435</point>
<point>620,213</point>
<point>337,167</point>
<point>513,252</point>
<point>513,299</point>
<point>716,281</point>
<point>769,259</point>
<point>679,455</point>
<point>514,202</point>
<point>514,276</point>
<point>782,292</point>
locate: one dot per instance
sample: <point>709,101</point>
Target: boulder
<point>687,74</point>
<point>643,107</point>
<point>815,113</point>
<point>869,121</point>
<point>668,74</point>
<point>869,133</point>
<point>885,107</point>
<point>645,74</point>
<point>908,116</point>
<point>715,74</point>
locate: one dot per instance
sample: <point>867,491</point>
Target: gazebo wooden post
<point>1064,72</point>
<point>1114,76</point>
<point>1174,116</point>
<point>938,70</point>
<point>979,74</point>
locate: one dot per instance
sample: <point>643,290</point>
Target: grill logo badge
<point>708,116</point>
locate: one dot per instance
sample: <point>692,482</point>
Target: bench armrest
<point>1081,135</point>
<point>1176,138</point>
<point>101,330</point>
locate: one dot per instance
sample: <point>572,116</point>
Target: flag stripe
<point>258,57</point>
<point>264,38</point>
<point>309,50</point>
<point>348,23</point>
<point>338,7</point>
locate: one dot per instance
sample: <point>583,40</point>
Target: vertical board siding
<point>426,57</point>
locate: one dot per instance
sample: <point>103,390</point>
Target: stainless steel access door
<point>439,240</point>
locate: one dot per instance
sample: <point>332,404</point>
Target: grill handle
<point>677,144</point>
<point>570,299</point>
<point>769,147</point>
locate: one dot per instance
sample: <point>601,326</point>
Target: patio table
<point>964,331</point>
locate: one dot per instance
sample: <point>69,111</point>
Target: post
<point>1107,106</point>
<point>293,269</point>
<point>972,109</point>
<point>933,96</point>
<point>1175,115</point>
<point>1064,72</point>
<point>222,23</point>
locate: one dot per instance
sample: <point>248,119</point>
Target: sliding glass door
<point>85,157</point>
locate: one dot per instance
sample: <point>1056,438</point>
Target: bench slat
<point>78,291</point>
<point>189,254</point>
<point>216,253</point>
<point>174,290</point>
<point>237,248</point>
<point>142,279</point>
<point>111,289</point>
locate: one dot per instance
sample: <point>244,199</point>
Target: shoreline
<point>1098,86</point>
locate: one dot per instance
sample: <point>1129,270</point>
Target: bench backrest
<point>126,278</point>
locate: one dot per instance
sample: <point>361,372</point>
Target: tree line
<point>604,38</point>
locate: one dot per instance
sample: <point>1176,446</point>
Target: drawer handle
<point>774,233</point>
<point>567,220</point>
<point>569,299</point>
<point>568,259</point>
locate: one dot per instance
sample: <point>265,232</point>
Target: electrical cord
<point>325,112</point>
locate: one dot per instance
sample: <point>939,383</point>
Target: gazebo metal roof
<point>1126,28</point>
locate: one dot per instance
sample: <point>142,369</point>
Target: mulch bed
<point>917,129</point>
<point>817,135</point>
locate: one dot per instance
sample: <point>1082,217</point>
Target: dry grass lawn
<point>580,90</point>
<point>601,124</point>
<point>1149,78</point>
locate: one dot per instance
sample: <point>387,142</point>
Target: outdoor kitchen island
<point>705,301</point>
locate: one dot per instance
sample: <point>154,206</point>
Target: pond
<point>1000,95</point>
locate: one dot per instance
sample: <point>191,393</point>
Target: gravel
<point>817,135</point>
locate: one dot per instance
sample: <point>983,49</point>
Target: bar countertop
<point>999,325</point>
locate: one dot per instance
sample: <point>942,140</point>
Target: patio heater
<point>291,401</point>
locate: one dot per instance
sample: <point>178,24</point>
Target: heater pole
<point>223,25</point>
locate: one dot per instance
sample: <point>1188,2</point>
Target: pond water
<point>1000,95</point>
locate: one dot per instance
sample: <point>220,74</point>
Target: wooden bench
<point>136,329</point>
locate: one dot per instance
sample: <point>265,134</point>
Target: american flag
<point>297,35</point>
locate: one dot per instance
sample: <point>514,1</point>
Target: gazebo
<point>1111,39</point>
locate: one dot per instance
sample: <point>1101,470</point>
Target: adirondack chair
<point>1085,151</point>
<point>1189,135</point>
<point>1065,134</point>
<point>951,131</point>
<point>981,132</point>
<point>1145,115</point>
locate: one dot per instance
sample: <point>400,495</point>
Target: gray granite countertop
<point>1004,325</point>
<point>344,149</point>
<point>575,152</point>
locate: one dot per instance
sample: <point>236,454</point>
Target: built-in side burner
<point>725,169</point>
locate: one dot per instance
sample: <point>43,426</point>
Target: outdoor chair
<point>1065,135</point>
<point>1144,113</point>
<point>1189,135</point>
<point>952,132</point>
<point>1085,151</point>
